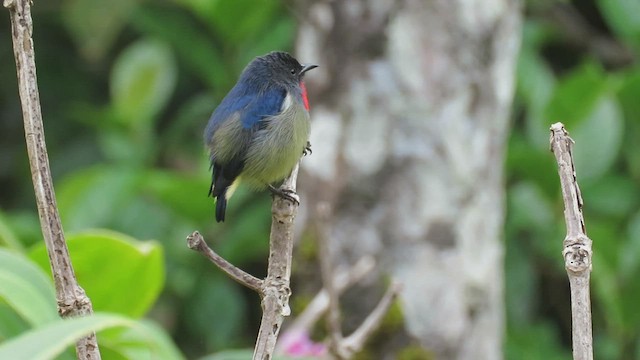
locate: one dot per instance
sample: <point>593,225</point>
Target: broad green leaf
<point>119,274</point>
<point>95,24</point>
<point>144,341</point>
<point>622,16</point>
<point>25,288</point>
<point>48,341</point>
<point>142,80</point>
<point>597,139</point>
<point>11,324</point>
<point>577,96</point>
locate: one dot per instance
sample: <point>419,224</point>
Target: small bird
<point>260,129</point>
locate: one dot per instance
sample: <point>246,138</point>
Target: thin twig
<point>71,298</point>
<point>196,242</point>
<point>320,303</point>
<point>276,291</point>
<point>345,347</point>
<point>355,342</point>
<point>334,323</point>
<point>577,251</point>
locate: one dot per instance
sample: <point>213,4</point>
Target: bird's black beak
<point>307,67</point>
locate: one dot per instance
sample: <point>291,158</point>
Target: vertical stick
<point>577,246</point>
<point>71,298</point>
<point>276,291</point>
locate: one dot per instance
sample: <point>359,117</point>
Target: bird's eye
<point>293,71</point>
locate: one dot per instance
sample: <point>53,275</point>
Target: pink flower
<point>298,343</point>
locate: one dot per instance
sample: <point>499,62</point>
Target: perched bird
<point>260,129</point>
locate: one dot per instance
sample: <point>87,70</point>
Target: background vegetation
<point>127,87</point>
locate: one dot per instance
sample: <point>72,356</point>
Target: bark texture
<point>410,111</point>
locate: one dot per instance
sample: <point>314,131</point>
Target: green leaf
<point>622,16</point>
<point>597,139</point>
<point>95,24</point>
<point>142,80</point>
<point>50,340</point>
<point>11,324</point>
<point>577,95</point>
<point>144,341</point>
<point>26,288</point>
<point>119,274</point>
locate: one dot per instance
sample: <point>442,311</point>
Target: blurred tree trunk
<point>410,118</point>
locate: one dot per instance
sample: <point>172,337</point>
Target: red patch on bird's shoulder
<point>305,100</point>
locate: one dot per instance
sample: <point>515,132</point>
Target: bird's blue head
<point>276,68</point>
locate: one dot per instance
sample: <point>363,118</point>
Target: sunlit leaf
<point>48,341</point>
<point>25,288</point>
<point>119,274</point>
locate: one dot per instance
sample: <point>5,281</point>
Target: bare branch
<point>334,323</point>
<point>320,303</point>
<point>577,245</point>
<point>355,342</point>
<point>276,291</point>
<point>196,242</point>
<point>71,298</point>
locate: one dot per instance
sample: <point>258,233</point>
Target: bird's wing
<point>263,105</point>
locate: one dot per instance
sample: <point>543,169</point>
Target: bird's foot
<point>285,194</point>
<point>307,149</point>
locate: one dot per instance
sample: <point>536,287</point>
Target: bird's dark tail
<point>221,205</point>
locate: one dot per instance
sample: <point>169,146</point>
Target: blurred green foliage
<point>126,89</point>
<point>565,77</point>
